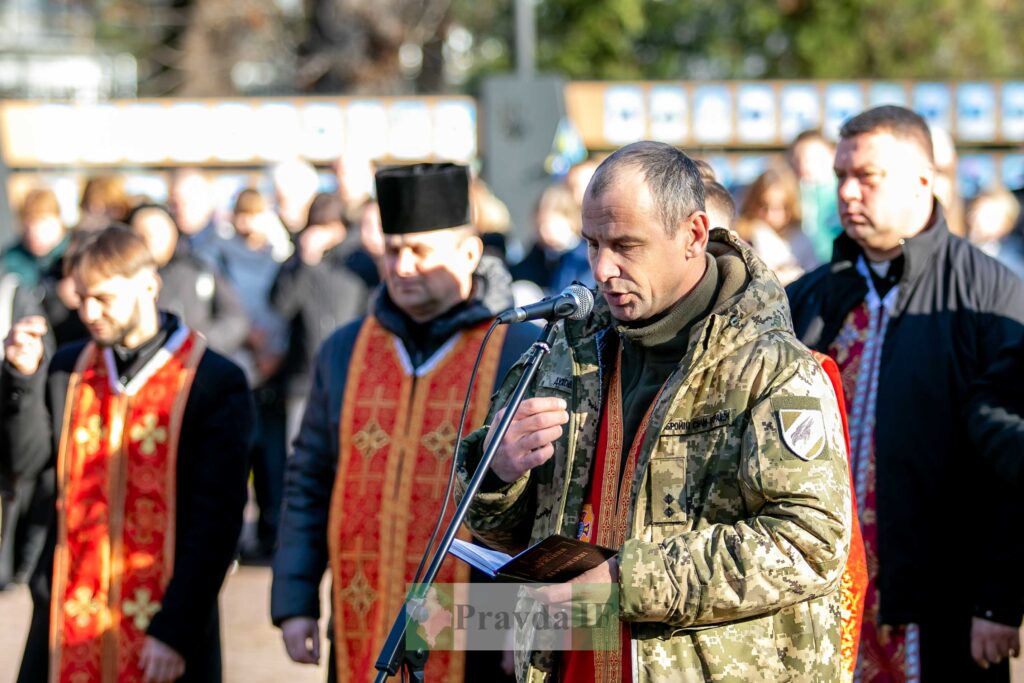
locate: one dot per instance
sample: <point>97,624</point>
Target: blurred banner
<point>744,114</point>
<point>236,132</point>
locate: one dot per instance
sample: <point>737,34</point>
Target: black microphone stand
<point>391,655</point>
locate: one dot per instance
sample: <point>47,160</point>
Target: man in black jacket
<point>150,434</point>
<point>912,315</point>
<point>366,480</point>
<point>317,291</point>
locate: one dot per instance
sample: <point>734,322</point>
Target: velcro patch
<point>699,423</point>
<point>557,382</point>
<point>803,431</point>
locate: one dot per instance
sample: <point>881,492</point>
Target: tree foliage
<point>664,39</point>
<point>404,46</point>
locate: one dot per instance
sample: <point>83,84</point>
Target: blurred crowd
<point>268,277</point>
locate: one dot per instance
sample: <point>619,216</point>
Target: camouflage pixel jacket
<point>740,514</point>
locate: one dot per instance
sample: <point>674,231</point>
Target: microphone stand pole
<point>391,655</point>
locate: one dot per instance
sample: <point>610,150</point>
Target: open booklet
<point>556,559</point>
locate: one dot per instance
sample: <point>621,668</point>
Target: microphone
<point>575,302</point>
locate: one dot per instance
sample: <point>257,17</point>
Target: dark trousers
<point>268,466</point>
<point>25,517</point>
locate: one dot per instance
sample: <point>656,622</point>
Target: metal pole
<point>526,40</point>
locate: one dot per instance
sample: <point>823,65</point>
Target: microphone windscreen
<point>584,300</point>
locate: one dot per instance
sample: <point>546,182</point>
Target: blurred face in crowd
<point>579,177</point>
<point>640,269</point>
<point>884,189</point>
<point>427,273</point>
<point>158,231</point>
<point>991,217</point>
<point>812,161</point>
<point>774,207</point>
<point>555,230</point>
<point>370,233</point>
<point>355,181</point>
<point>114,308</point>
<point>191,202</point>
<point>42,233</point>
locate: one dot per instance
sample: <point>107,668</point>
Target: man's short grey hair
<point>672,178</point>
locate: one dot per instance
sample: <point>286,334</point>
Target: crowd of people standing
<point>332,317</point>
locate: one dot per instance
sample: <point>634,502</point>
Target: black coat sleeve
<point>998,312</point>
<point>995,418</point>
<point>27,439</point>
<point>302,555</point>
<point>213,466</point>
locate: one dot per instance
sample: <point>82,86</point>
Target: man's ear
<point>152,283</point>
<point>698,227</point>
<point>474,247</point>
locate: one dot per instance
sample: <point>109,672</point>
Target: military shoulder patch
<point>803,431</point>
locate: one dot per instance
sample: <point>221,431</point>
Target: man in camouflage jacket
<point>738,529</point>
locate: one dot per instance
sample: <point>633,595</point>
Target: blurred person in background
<point>365,259</point>
<point>579,177</point>
<point>27,504</point>
<point>316,291</point>
<point>143,526</point>
<point>192,289</point>
<point>104,201</point>
<point>250,263</point>
<point>947,188</point>
<point>990,220</point>
<point>42,242</point>
<point>191,204</point>
<point>769,219</point>
<point>719,204</point>
<point>255,226</point>
<point>810,155</point>
<point>23,504</point>
<point>354,175</point>
<point>295,184</point>
<point>558,255</point>
<point>913,315</point>
<point>490,217</point>
<point>718,201</point>
<point>706,170</point>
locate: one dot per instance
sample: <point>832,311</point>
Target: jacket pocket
<point>694,476</point>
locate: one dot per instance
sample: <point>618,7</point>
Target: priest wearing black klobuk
<point>371,462</point>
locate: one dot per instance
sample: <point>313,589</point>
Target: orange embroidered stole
<point>604,520</point>
<point>116,479</point>
<point>398,430</point>
<point>854,584</point>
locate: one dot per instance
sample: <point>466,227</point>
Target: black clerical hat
<point>423,197</point>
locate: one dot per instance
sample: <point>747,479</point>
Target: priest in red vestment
<point>370,467</point>
<point>149,433</point>
<point>912,316</point>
